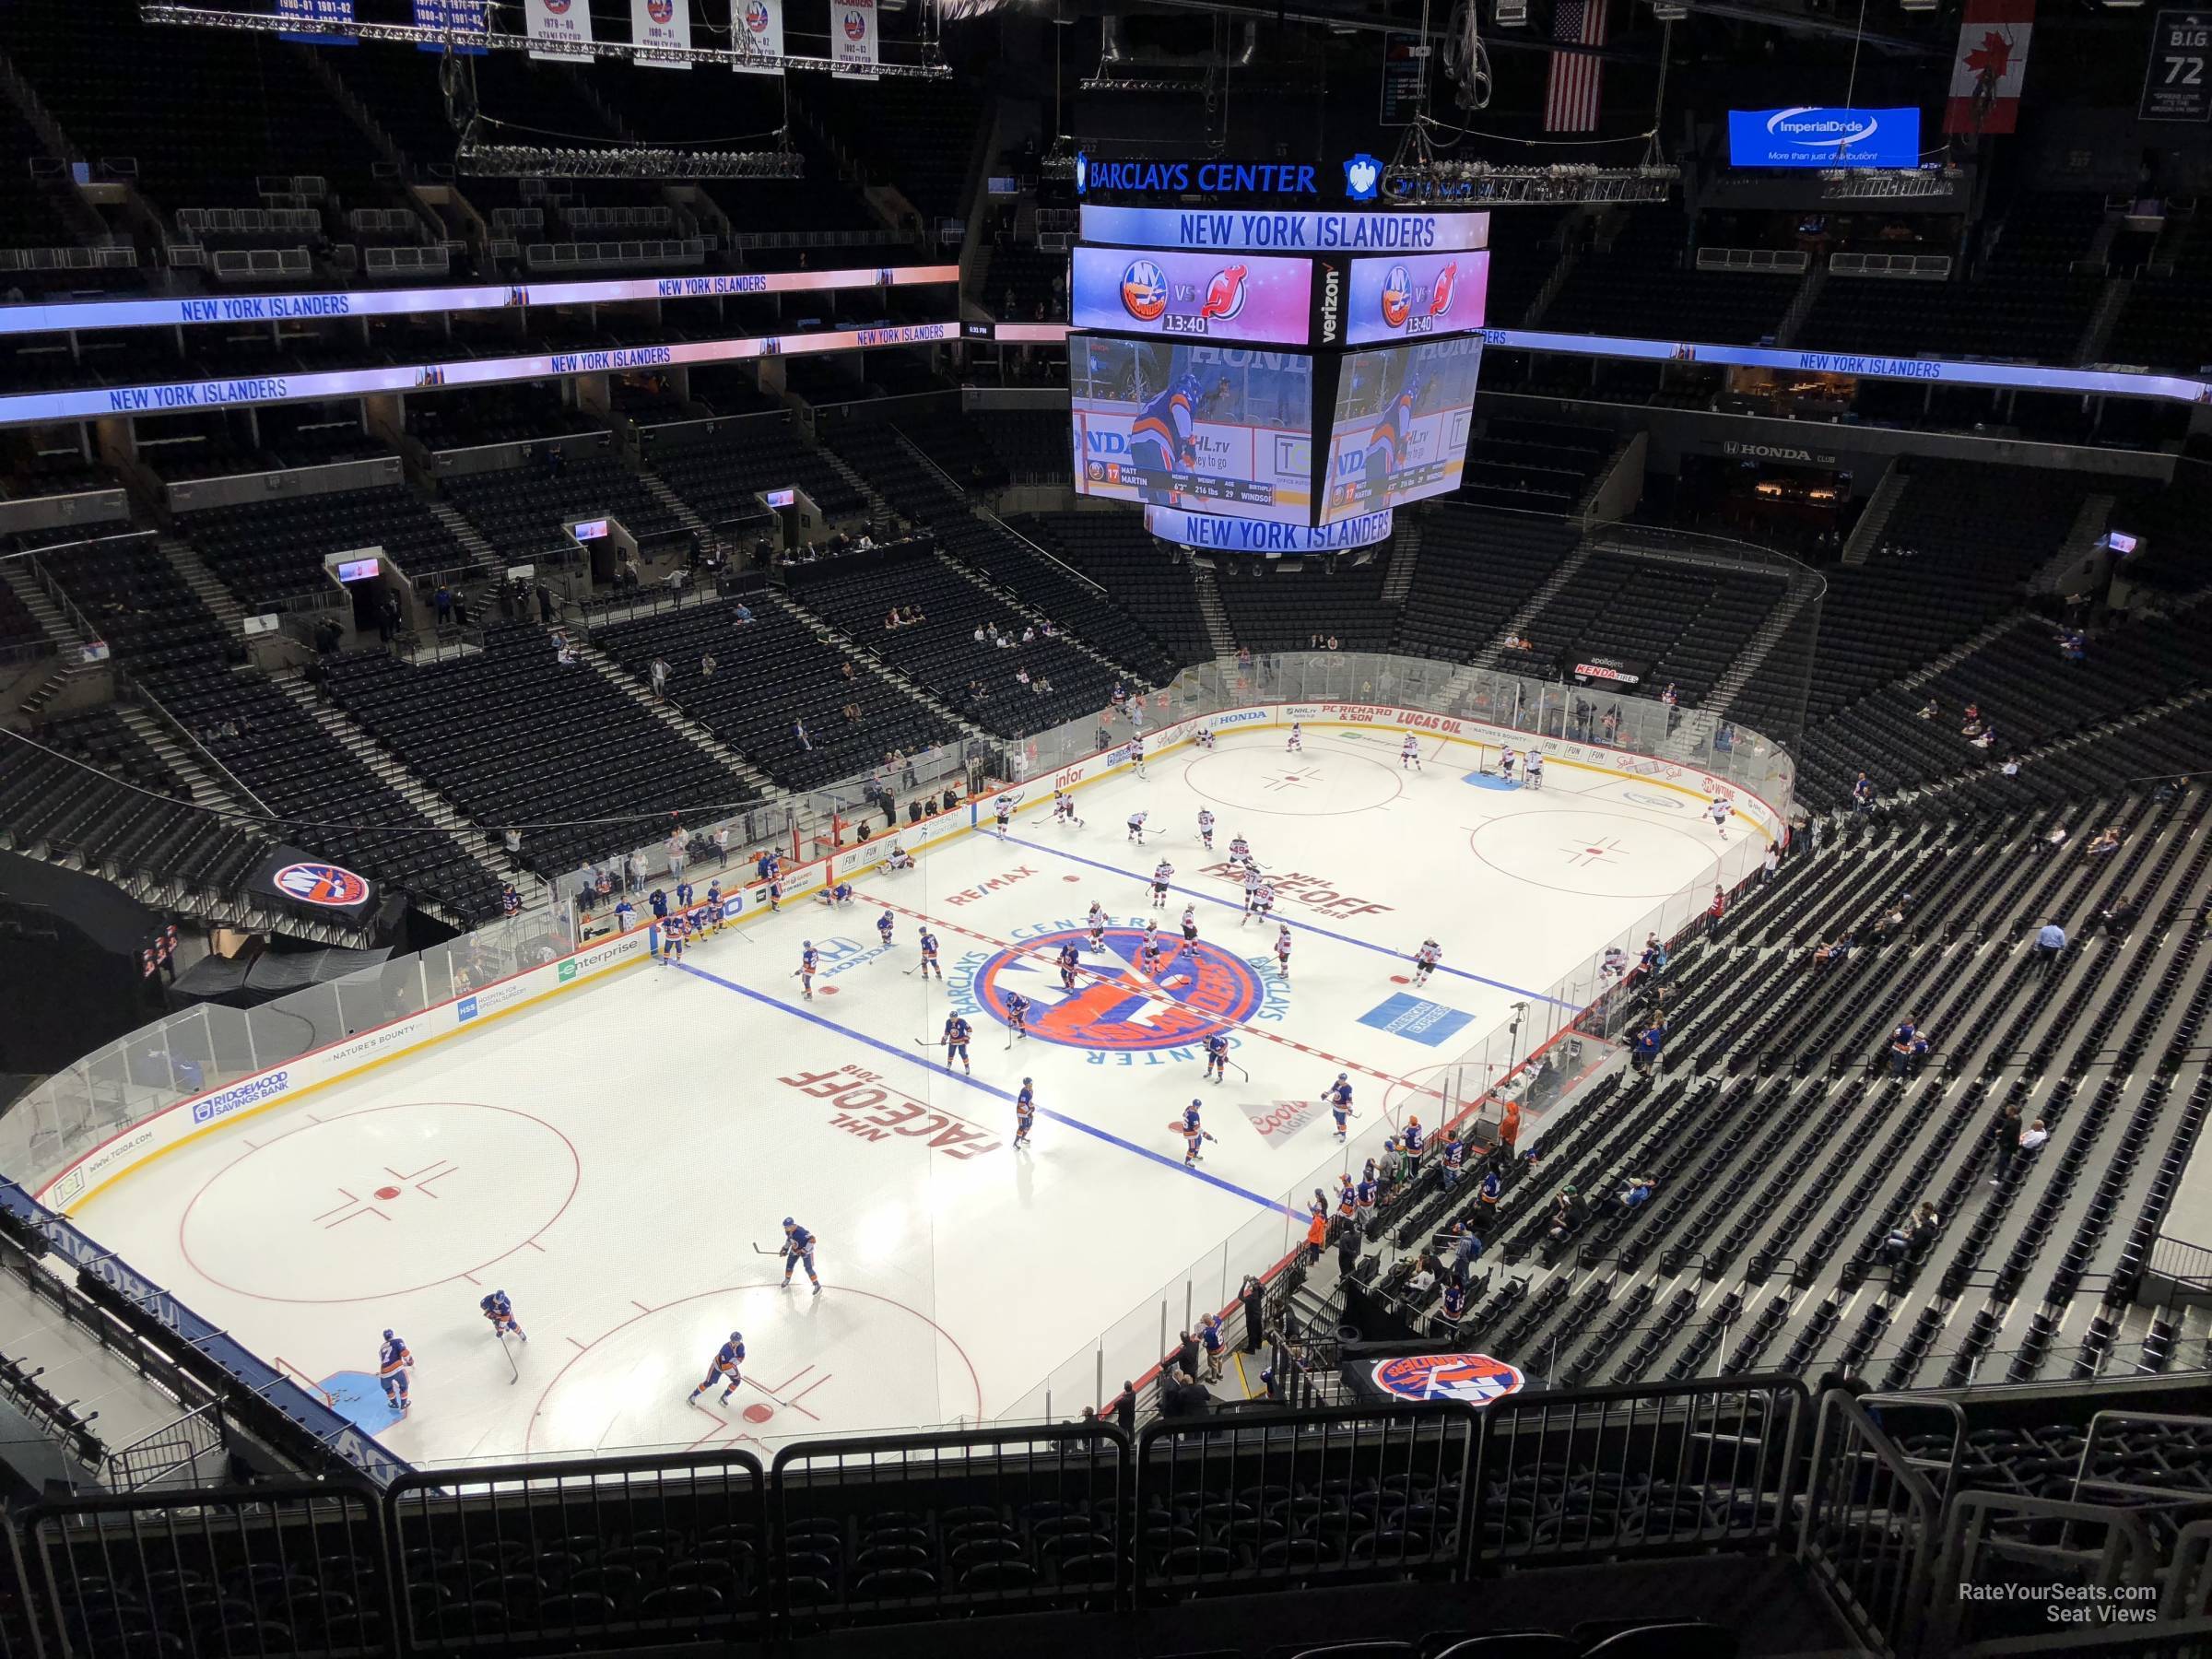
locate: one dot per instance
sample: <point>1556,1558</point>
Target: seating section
<point>979,677</point>
<point>525,510</point>
<point>204,113</point>
<point>1645,273</point>
<point>922,136</point>
<point>1534,466</point>
<point>1300,605</point>
<point>1476,570</point>
<point>129,590</point>
<point>2022,687</point>
<point>718,470</point>
<point>106,803</point>
<point>1687,622</point>
<point>1144,576</point>
<point>1954,552</point>
<point>267,552</point>
<point>772,674</point>
<point>512,736</point>
<point>990,450</point>
<point>294,768</point>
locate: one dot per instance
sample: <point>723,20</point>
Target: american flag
<point>1570,99</point>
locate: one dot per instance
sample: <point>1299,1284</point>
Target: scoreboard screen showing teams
<point>1291,369</point>
<point>1204,428</point>
<point>1400,429</point>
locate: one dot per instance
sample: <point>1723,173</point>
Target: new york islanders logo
<point>856,27</point>
<point>1397,296</point>
<point>1115,1005</point>
<point>325,884</point>
<point>660,11</point>
<point>755,18</point>
<point>557,8</point>
<point>1144,290</point>
<point>1475,1378</point>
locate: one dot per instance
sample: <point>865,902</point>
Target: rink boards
<point>232,1102</point>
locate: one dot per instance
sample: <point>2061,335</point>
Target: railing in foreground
<point>707,1546</point>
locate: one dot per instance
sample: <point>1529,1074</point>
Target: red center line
<point>1160,996</point>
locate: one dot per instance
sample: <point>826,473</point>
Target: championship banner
<point>757,31</point>
<point>321,22</point>
<point>853,38</point>
<point>314,887</point>
<point>654,24</point>
<point>465,17</point>
<point>1991,62</point>
<point>559,30</point>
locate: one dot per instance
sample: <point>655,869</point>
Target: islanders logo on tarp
<point>1476,1378</point>
<point>325,884</point>
<point>1115,1005</point>
<point>1144,290</point>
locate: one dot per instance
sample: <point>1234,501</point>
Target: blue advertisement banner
<point>1810,135</point>
<point>463,17</point>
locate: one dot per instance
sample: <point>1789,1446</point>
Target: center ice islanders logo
<point>324,884</point>
<point>1114,1006</point>
<point>1144,290</point>
<point>1475,1378</point>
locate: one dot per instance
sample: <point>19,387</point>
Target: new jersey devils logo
<point>1476,1378</point>
<point>324,884</point>
<point>1225,294</point>
<point>1115,1003</point>
<point>1144,290</point>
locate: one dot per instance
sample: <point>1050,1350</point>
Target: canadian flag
<point>1991,61</point>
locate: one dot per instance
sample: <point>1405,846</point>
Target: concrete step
<point>206,585</point>
<point>673,716</point>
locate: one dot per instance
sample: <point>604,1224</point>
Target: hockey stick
<point>515,1371</point>
<point>757,1251</point>
<point>919,1044</point>
<point>1241,1071</point>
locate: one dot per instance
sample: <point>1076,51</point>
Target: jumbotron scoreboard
<point>1274,381</point>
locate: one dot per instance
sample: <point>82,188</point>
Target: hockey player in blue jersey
<point>712,917</point>
<point>1217,1057</point>
<point>392,1363</point>
<point>957,1033</point>
<point>1163,437</point>
<point>837,896</point>
<point>1337,1096</point>
<point>929,955</point>
<point>1025,1113</point>
<point>1017,1014</point>
<point>501,1312</point>
<point>798,1250</point>
<point>1389,441</point>
<point>725,1368</point>
<point>810,961</point>
<point>1067,963</point>
<point>883,929</point>
<point>1192,1136</point>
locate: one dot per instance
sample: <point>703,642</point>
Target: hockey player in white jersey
<point>1718,812</point>
<point>1163,873</point>
<point>1296,743</point>
<point>1206,828</point>
<point>1409,753</point>
<point>1137,828</point>
<point>1252,894</point>
<point>1425,962</point>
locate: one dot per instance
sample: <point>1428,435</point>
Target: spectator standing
<point>1254,1299</point>
<point>2050,942</point>
<point>2005,1140</point>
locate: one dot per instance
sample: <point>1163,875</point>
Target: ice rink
<point>618,1160</point>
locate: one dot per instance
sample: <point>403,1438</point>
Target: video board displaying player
<point>1401,425</point>
<point>1204,428</point>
